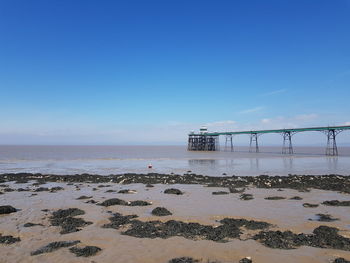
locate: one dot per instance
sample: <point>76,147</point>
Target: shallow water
<point>166,159</point>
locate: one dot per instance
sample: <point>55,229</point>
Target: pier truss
<point>209,141</point>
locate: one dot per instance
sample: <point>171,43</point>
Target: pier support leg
<point>287,143</point>
<point>331,149</point>
<point>254,140</point>
<point>229,143</point>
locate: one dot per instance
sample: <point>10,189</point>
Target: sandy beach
<point>104,204</point>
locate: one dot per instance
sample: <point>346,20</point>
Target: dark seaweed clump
<point>7,209</point>
<point>66,220</point>
<point>308,205</point>
<point>192,260</point>
<point>325,218</point>
<point>274,198</point>
<point>161,211</point>
<point>113,201</point>
<point>8,239</point>
<point>336,203</point>
<point>296,198</point>
<point>220,193</point>
<point>341,260</point>
<point>139,203</point>
<point>183,260</point>
<point>54,246</point>
<point>173,191</point>
<point>118,220</point>
<point>87,251</point>
<point>229,228</point>
<point>246,197</point>
<point>117,201</point>
<point>31,224</point>
<point>322,237</point>
<point>84,197</point>
<point>110,191</point>
<point>235,190</point>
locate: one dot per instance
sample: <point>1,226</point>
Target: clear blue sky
<point>121,72</point>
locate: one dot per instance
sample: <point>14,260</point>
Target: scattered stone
<point>126,191</point>
<point>54,246</point>
<point>8,239</point>
<point>7,209</point>
<point>32,224</point>
<point>274,198</point>
<point>161,211</point>
<point>220,193</point>
<point>246,197</point>
<point>149,185</point>
<point>82,197</point>
<point>308,205</point>
<point>66,220</point>
<point>173,191</point>
<point>336,203</point>
<point>45,210</point>
<point>8,189</point>
<point>87,251</point>
<point>183,260</point>
<point>296,198</point>
<point>110,191</point>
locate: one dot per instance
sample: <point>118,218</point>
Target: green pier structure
<point>209,141</point>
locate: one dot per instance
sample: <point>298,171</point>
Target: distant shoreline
<point>332,182</point>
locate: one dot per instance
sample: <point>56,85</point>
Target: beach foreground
<point>157,218</point>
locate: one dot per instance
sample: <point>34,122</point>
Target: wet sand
<point>197,204</point>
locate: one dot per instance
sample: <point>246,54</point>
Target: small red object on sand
<point>150,166</point>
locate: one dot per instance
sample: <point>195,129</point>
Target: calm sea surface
<point>167,159</point>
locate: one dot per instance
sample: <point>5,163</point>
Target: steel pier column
<point>254,138</point>
<point>287,143</point>
<point>229,142</point>
<point>332,149</point>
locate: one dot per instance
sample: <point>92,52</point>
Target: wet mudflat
<point>90,217</point>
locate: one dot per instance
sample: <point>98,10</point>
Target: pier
<point>209,141</point>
